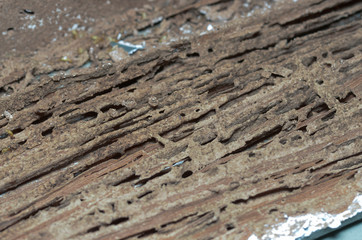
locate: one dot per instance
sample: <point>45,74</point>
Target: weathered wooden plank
<point>221,134</point>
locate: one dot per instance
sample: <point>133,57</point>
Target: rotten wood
<point>214,135</point>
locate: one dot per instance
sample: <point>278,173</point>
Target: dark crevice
<point>77,173</point>
<point>82,117</point>
<point>145,180</point>
<point>200,118</point>
<point>206,71</point>
<point>270,106</point>
<point>114,222</point>
<point>348,98</point>
<point>159,69</point>
<point>303,94</point>
<point>48,170</point>
<point>144,194</point>
<point>67,112</point>
<point>323,27</point>
<point>187,174</point>
<point>262,138</point>
<point>341,49</point>
<point>184,134</point>
<point>119,107</point>
<point>252,92</point>
<point>329,116</point>
<point>178,163</point>
<point>303,129</point>
<point>309,16</point>
<point>93,229</point>
<point>56,202</point>
<point>130,178</point>
<point>93,96</point>
<point>28,11</point>
<point>22,142</point>
<point>308,61</point>
<point>177,221</point>
<point>202,218</point>
<point>47,132</point>
<point>87,141</point>
<point>238,55</point>
<point>271,211</point>
<point>214,78</point>
<point>347,56</point>
<point>129,82</point>
<point>229,226</point>
<point>147,61</point>
<point>125,124</point>
<point>191,55</point>
<point>334,162</point>
<point>164,65</point>
<point>322,107</point>
<point>141,234</point>
<point>264,194</point>
<point>139,146</point>
<point>4,135</point>
<point>119,220</point>
<point>296,137</point>
<point>349,67</point>
<point>222,88</point>
<point>115,155</point>
<point>249,36</point>
<point>207,140</point>
<point>147,233</point>
<point>42,118</point>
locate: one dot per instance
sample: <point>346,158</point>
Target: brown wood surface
<point>217,134</point>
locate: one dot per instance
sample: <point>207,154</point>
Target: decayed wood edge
<point>325,163</point>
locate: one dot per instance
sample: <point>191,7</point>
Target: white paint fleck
<point>41,22</point>
<point>186,29</point>
<point>178,163</point>
<point>203,12</point>
<point>129,47</point>
<point>74,27</point>
<point>8,115</point>
<point>253,237</point>
<point>29,17</point>
<point>32,26</point>
<point>157,20</point>
<point>65,58</point>
<point>305,225</point>
<point>210,27</point>
<point>250,13</point>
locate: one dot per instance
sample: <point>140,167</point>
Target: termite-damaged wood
<point>213,135</point>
